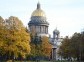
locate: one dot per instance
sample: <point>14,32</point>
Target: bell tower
<point>53,42</point>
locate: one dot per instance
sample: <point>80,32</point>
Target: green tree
<point>64,49</point>
<point>73,47</point>
<point>82,46</point>
<point>40,47</point>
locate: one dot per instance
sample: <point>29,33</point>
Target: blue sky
<point>66,15</point>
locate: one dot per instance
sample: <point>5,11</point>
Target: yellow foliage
<point>46,46</point>
<point>14,38</point>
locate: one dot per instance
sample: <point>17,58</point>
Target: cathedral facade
<point>38,24</point>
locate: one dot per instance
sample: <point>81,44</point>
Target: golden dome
<point>38,11</point>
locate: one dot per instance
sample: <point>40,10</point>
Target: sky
<point>66,15</point>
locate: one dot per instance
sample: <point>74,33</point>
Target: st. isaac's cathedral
<point>38,24</point>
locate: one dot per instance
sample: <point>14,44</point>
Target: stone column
<point>54,54</point>
<point>40,29</point>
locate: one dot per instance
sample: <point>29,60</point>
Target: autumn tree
<point>1,35</point>
<point>46,46</point>
<point>1,22</point>
<point>15,39</point>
